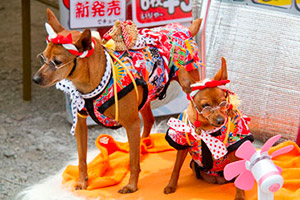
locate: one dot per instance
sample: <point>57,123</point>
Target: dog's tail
<point>195,26</point>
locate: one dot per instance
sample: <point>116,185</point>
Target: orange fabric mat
<point>108,173</point>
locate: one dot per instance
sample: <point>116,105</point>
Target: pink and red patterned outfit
<point>201,155</point>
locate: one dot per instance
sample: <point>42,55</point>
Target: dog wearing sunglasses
<point>96,79</point>
<point>210,129</point>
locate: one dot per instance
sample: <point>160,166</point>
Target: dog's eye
<point>57,62</point>
<point>205,105</point>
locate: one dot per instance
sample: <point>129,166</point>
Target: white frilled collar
<point>77,98</point>
<point>216,147</point>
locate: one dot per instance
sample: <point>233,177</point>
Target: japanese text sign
<point>96,13</point>
<point>158,12</point>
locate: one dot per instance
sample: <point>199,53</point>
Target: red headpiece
<point>67,42</point>
<point>206,83</point>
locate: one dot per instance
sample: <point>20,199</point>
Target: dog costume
<point>152,62</point>
<point>209,150</point>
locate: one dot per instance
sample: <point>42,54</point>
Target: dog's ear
<point>85,41</point>
<point>222,73</point>
<point>195,26</point>
<point>53,21</point>
<point>185,80</point>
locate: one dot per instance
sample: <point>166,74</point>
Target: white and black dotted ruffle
<point>104,80</point>
<point>77,99</point>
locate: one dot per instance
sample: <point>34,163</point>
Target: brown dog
<point>210,120</point>
<point>85,63</point>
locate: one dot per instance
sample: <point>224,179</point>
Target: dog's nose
<point>220,120</point>
<point>37,79</point>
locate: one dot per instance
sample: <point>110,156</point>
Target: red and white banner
<point>147,13</point>
<point>96,13</point>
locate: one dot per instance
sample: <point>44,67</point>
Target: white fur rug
<point>51,187</point>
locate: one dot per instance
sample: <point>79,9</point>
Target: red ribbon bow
<point>60,39</point>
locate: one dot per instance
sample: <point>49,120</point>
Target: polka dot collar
<point>77,98</point>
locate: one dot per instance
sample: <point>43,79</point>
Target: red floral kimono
<point>158,55</point>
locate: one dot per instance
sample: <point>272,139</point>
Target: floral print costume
<point>158,54</point>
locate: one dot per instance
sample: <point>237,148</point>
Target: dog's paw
<point>128,189</point>
<point>169,190</point>
<point>81,185</point>
<point>239,198</point>
<point>240,194</point>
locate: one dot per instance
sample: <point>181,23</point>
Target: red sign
<point>158,12</point>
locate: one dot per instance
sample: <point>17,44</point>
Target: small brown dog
<point>211,129</point>
<point>80,65</point>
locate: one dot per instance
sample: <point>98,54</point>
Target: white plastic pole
<point>263,195</point>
